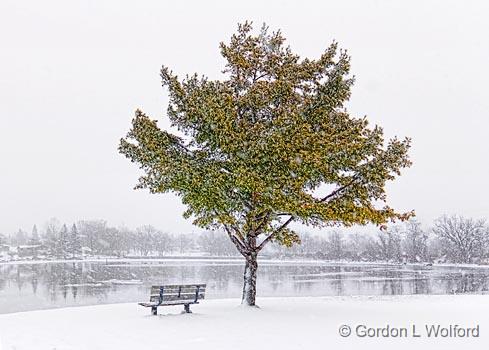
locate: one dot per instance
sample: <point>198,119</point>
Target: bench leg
<point>186,308</point>
<point>154,310</point>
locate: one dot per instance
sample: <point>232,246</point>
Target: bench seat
<point>167,303</point>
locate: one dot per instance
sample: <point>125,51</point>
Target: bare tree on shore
<point>463,239</point>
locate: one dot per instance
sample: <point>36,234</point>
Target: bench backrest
<point>175,293</point>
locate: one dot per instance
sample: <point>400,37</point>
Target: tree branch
<point>264,219</point>
<point>239,244</point>
<point>238,234</point>
<point>292,218</point>
<point>338,190</point>
<point>274,233</point>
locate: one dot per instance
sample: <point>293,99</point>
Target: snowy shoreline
<point>228,260</point>
<point>287,323</point>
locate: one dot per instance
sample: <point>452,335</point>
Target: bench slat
<point>176,290</point>
<point>155,290</point>
<point>183,291</point>
<point>185,297</point>
<point>166,303</point>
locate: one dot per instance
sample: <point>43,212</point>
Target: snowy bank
<point>279,323</point>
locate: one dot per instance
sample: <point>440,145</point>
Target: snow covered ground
<point>279,323</point>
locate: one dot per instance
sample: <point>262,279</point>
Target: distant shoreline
<point>230,259</point>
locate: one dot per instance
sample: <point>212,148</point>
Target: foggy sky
<point>73,72</point>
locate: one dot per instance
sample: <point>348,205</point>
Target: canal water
<point>30,286</point>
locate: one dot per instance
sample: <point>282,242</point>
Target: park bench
<point>175,295</point>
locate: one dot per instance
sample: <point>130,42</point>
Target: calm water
<point>49,285</point>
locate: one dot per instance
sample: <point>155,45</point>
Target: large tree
<point>463,239</point>
<point>255,147</point>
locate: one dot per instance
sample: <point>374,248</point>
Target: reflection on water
<point>39,286</point>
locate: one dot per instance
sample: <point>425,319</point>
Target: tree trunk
<point>249,279</point>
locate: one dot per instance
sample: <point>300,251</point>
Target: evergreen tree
<point>62,244</point>
<point>35,239</point>
<point>261,142</point>
<point>51,235</point>
<point>20,238</point>
<point>51,243</point>
<point>74,243</point>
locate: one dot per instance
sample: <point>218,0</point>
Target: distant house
<point>32,250</point>
<point>86,251</point>
<point>4,252</point>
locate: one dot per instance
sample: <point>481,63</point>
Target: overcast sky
<point>73,72</point>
